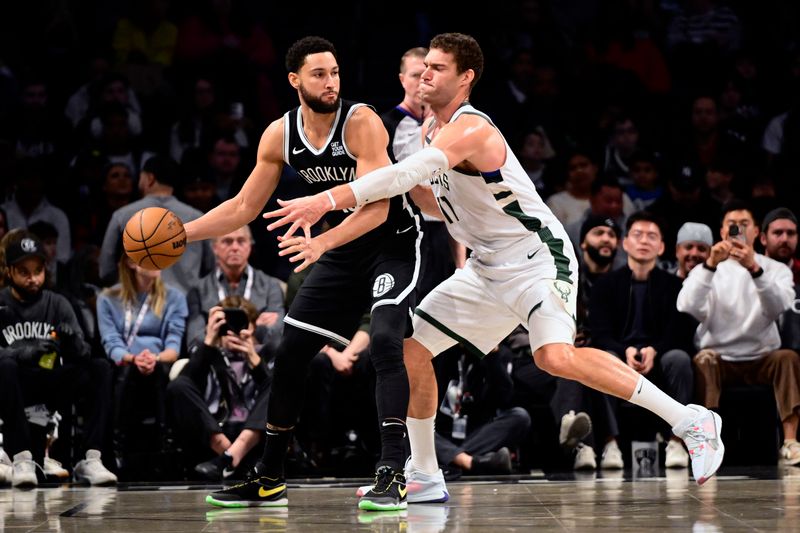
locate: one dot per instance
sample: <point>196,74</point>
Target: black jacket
<point>611,313</point>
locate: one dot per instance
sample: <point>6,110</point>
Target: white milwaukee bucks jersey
<point>490,212</point>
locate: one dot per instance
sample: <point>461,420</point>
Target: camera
<point>235,320</point>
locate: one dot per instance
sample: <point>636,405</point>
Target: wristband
<point>712,269</point>
<point>330,197</point>
<point>758,273</point>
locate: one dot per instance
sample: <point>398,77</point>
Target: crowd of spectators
<point>663,134</point>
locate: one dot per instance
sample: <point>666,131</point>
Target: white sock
<point>423,449</point>
<point>654,399</point>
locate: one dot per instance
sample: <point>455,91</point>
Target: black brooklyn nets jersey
<point>332,165</point>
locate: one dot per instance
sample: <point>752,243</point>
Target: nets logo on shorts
<point>383,284</point>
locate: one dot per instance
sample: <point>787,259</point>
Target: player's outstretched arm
<point>470,137</point>
<point>247,204</point>
<point>302,213</point>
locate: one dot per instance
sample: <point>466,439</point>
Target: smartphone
<point>235,320</point>
<point>735,233</point>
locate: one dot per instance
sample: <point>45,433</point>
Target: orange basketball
<point>154,238</point>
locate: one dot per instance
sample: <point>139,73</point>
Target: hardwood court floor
<point>763,499</point>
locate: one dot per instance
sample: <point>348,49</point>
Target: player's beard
<point>317,105</point>
<point>597,257</point>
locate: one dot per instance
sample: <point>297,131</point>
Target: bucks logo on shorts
<point>383,284</point>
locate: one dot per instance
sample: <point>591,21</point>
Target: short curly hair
<point>296,56</point>
<point>466,51</point>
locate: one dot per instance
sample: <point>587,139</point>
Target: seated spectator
<point>45,360</point>
<point>623,142</point>
<point>779,239</point>
<point>645,187</point>
<point>141,322</point>
<point>116,191</point>
<point>235,276</point>
<point>100,82</point>
<point>198,188</point>
<point>224,159</point>
<point>632,314</point>
<point>29,204</point>
<point>534,155</point>
<point>477,422</point>
<point>684,201</point>
<point>338,376</point>
<point>196,120</point>
<point>219,400</point>
<point>719,179</point>
<point>692,247</point>
<point>571,203</point>
<point>738,296</point>
<point>572,402</point>
<point>157,183</point>
<point>606,199</point>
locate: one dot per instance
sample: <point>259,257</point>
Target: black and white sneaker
<point>388,493</point>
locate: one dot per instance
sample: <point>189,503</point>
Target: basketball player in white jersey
<point>522,268</point>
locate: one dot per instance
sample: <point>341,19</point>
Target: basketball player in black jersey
<point>330,141</point>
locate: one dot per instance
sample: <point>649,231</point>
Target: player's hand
<point>301,213</point>
<point>301,249</point>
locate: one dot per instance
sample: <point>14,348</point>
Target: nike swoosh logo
<point>405,230</point>
<point>227,472</point>
<point>296,151</point>
<point>530,255</point>
<point>640,387</point>
<point>267,493</point>
<point>403,491</point>
<point>391,424</point>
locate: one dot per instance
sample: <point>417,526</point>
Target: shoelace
<point>35,466</point>
<point>695,440</point>
<point>383,480</point>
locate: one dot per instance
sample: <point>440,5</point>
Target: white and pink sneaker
<point>701,433</point>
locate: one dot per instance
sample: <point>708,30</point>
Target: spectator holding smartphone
<point>738,296</point>
<point>219,401</point>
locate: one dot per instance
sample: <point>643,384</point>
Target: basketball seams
<point>155,229</point>
<point>183,231</point>
<point>141,232</point>
<point>157,252</point>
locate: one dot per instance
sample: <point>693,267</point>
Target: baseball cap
<point>695,231</point>
<point>22,249</point>
<point>593,221</point>
<point>777,214</point>
<point>686,178</point>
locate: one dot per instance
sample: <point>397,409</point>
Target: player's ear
<point>294,80</point>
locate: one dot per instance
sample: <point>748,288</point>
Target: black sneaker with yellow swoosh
<point>388,493</point>
<point>257,491</point>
